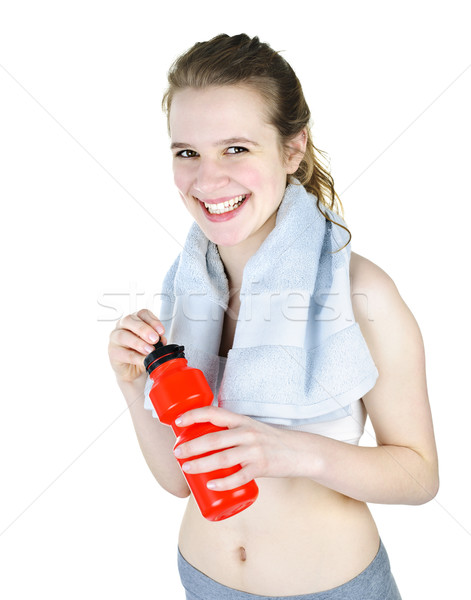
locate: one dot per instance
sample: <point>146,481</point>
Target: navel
<point>242,554</point>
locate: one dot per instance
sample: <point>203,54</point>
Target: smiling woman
<point>208,171</point>
<point>291,394</point>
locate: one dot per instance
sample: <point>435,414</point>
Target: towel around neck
<point>298,356</point>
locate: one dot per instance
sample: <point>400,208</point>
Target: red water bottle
<point>178,388</point>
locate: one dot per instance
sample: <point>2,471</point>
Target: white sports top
<point>345,429</point>
<point>348,429</point>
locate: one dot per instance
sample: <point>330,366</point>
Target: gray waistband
<point>376,582</point>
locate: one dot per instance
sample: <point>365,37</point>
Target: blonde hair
<point>239,59</point>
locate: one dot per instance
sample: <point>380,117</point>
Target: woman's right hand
<point>131,341</point>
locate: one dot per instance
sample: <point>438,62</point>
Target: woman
<point>246,169</point>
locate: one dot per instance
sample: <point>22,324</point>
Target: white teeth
<point>223,207</point>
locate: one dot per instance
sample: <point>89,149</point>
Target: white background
<point>90,220</point>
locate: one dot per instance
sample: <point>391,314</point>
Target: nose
<point>210,176</point>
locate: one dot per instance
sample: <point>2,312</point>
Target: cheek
<point>182,187</point>
<point>251,177</point>
<point>181,178</point>
<point>263,176</point>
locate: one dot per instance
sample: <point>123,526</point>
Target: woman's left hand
<point>261,450</point>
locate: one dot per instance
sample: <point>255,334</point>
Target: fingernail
<point>178,421</point>
<point>186,467</point>
<point>211,485</point>
<point>177,452</point>
<point>160,329</point>
<point>153,337</point>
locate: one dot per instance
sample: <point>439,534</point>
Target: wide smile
<point>226,209</point>
<point>226,206</point>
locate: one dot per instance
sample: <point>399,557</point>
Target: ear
<point>296,149</point>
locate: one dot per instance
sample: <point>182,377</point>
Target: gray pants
<point>376,582</point>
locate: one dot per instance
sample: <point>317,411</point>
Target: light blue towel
<point>298,355</point>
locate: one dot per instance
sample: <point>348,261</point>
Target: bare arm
<point>127,350</point>
<point>386,474</point>
<point>156,442</point>
<point>404,467</point>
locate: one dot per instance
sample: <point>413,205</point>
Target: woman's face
<point>224,151</point>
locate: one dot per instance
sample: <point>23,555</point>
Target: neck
<point>234,262</point>
<point>234,258</point>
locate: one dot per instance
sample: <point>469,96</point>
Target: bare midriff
<point>297,538</point>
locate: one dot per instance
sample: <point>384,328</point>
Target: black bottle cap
<point>162,354</point>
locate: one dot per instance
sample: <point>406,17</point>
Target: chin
<point>226,240</point>
<point>220,238</point>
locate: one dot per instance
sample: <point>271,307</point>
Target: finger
<point>148,317</point>
<point>213,414</point>
<point>210,442</point>
<point>219,460</point>
<point>128,339</point>
<point>232,481</point>
<point>119,354</point>
<point>148,331</point>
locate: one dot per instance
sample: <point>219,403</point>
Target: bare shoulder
<point>364,273</point>
<point>389,328</point>
<point>373,291</point>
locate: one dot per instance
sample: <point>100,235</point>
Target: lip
<point>224,216</point>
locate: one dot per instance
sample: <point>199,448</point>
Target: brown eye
<point>236,150</point>
<point>187,154</point>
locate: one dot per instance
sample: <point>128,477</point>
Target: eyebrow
<point>227,142</point>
